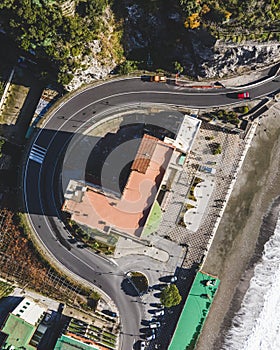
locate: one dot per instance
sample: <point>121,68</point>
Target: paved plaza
<point>200,221</point>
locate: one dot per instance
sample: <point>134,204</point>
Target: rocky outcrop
<point>103,55</point>
<point>227,60</point>
<point>146,38</point>
<point>94,69</point>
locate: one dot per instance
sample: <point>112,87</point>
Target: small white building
<point>30,311</point>
<point>186,134</point>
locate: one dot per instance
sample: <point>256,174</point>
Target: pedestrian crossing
<point>37,153</point>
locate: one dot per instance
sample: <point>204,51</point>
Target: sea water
<point>256,326</point>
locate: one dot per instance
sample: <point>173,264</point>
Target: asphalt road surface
<point>47,149</point>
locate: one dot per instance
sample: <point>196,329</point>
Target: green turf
<point>194,313</point>
<point>154,219</point>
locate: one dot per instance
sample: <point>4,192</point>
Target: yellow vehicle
<point>158,78</point>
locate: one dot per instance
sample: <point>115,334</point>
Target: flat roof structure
<point>19,333</point>
<point>186,134</point>
<point>195,311</point>
<point>68,342</point>
<point>144,154</point>
<point>129,213</point>
<point>29,311</point>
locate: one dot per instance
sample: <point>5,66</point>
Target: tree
<point>127,67</point>
<point>170,296</point>
<point>65,78</point>
<point>93,299</point>
<point>244,109</point>
<point>190,6</point>
<point>1,87</point>
<point>216,148</point>
<point>193,21</point>
<point>178,67</point>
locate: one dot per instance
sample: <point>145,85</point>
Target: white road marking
<point>37,153</point>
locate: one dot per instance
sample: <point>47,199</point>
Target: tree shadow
<point>128,288</point>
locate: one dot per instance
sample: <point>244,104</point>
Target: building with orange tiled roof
<point>99,207</point>
<point>127,214</point>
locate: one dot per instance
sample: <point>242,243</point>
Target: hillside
<point>63,36</point>
<point>86,39</point>
<point>202,39</point>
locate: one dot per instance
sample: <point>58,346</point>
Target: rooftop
<point>197,305</point>
<point>144,154</point>
<point>29,311</point>
<point>186,134</point>
<point>129,213</point>
<point>68,342</point>
<point>19,332</point>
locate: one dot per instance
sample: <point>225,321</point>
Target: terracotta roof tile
<point>144,154</point>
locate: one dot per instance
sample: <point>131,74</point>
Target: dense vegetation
<point>236,20</point>
<point>153,33</point>
<point>57,31</point>
<point>21,262</point>
<point>170,296</point>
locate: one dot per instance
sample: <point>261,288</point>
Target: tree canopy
<point>229,19</point>
<point>43,28</point>
<point>170,296</point>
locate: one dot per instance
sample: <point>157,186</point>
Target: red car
<point>243,95</point>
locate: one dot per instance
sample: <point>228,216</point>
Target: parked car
<point>173,279</point>
<point>154,325</point>
<point>109,313</point>
<point>243,95</point>
<point>159,313</point>
<point>143,345</point>
<point>47,318</point>
<point>162,286</point>
<point>151,337</point>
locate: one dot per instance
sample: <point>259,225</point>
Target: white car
<point>151,337</point>
<point>173,279</point>
<point>142,345</point>
<point>159,313</point>
<point>154,325</point>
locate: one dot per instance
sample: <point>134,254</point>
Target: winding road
<point>42,168</point>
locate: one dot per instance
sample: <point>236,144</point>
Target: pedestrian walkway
<point>199,228</point>
<point>127,246</point>
<point>37,153</point>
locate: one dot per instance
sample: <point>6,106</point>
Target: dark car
<point>109,313</point>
